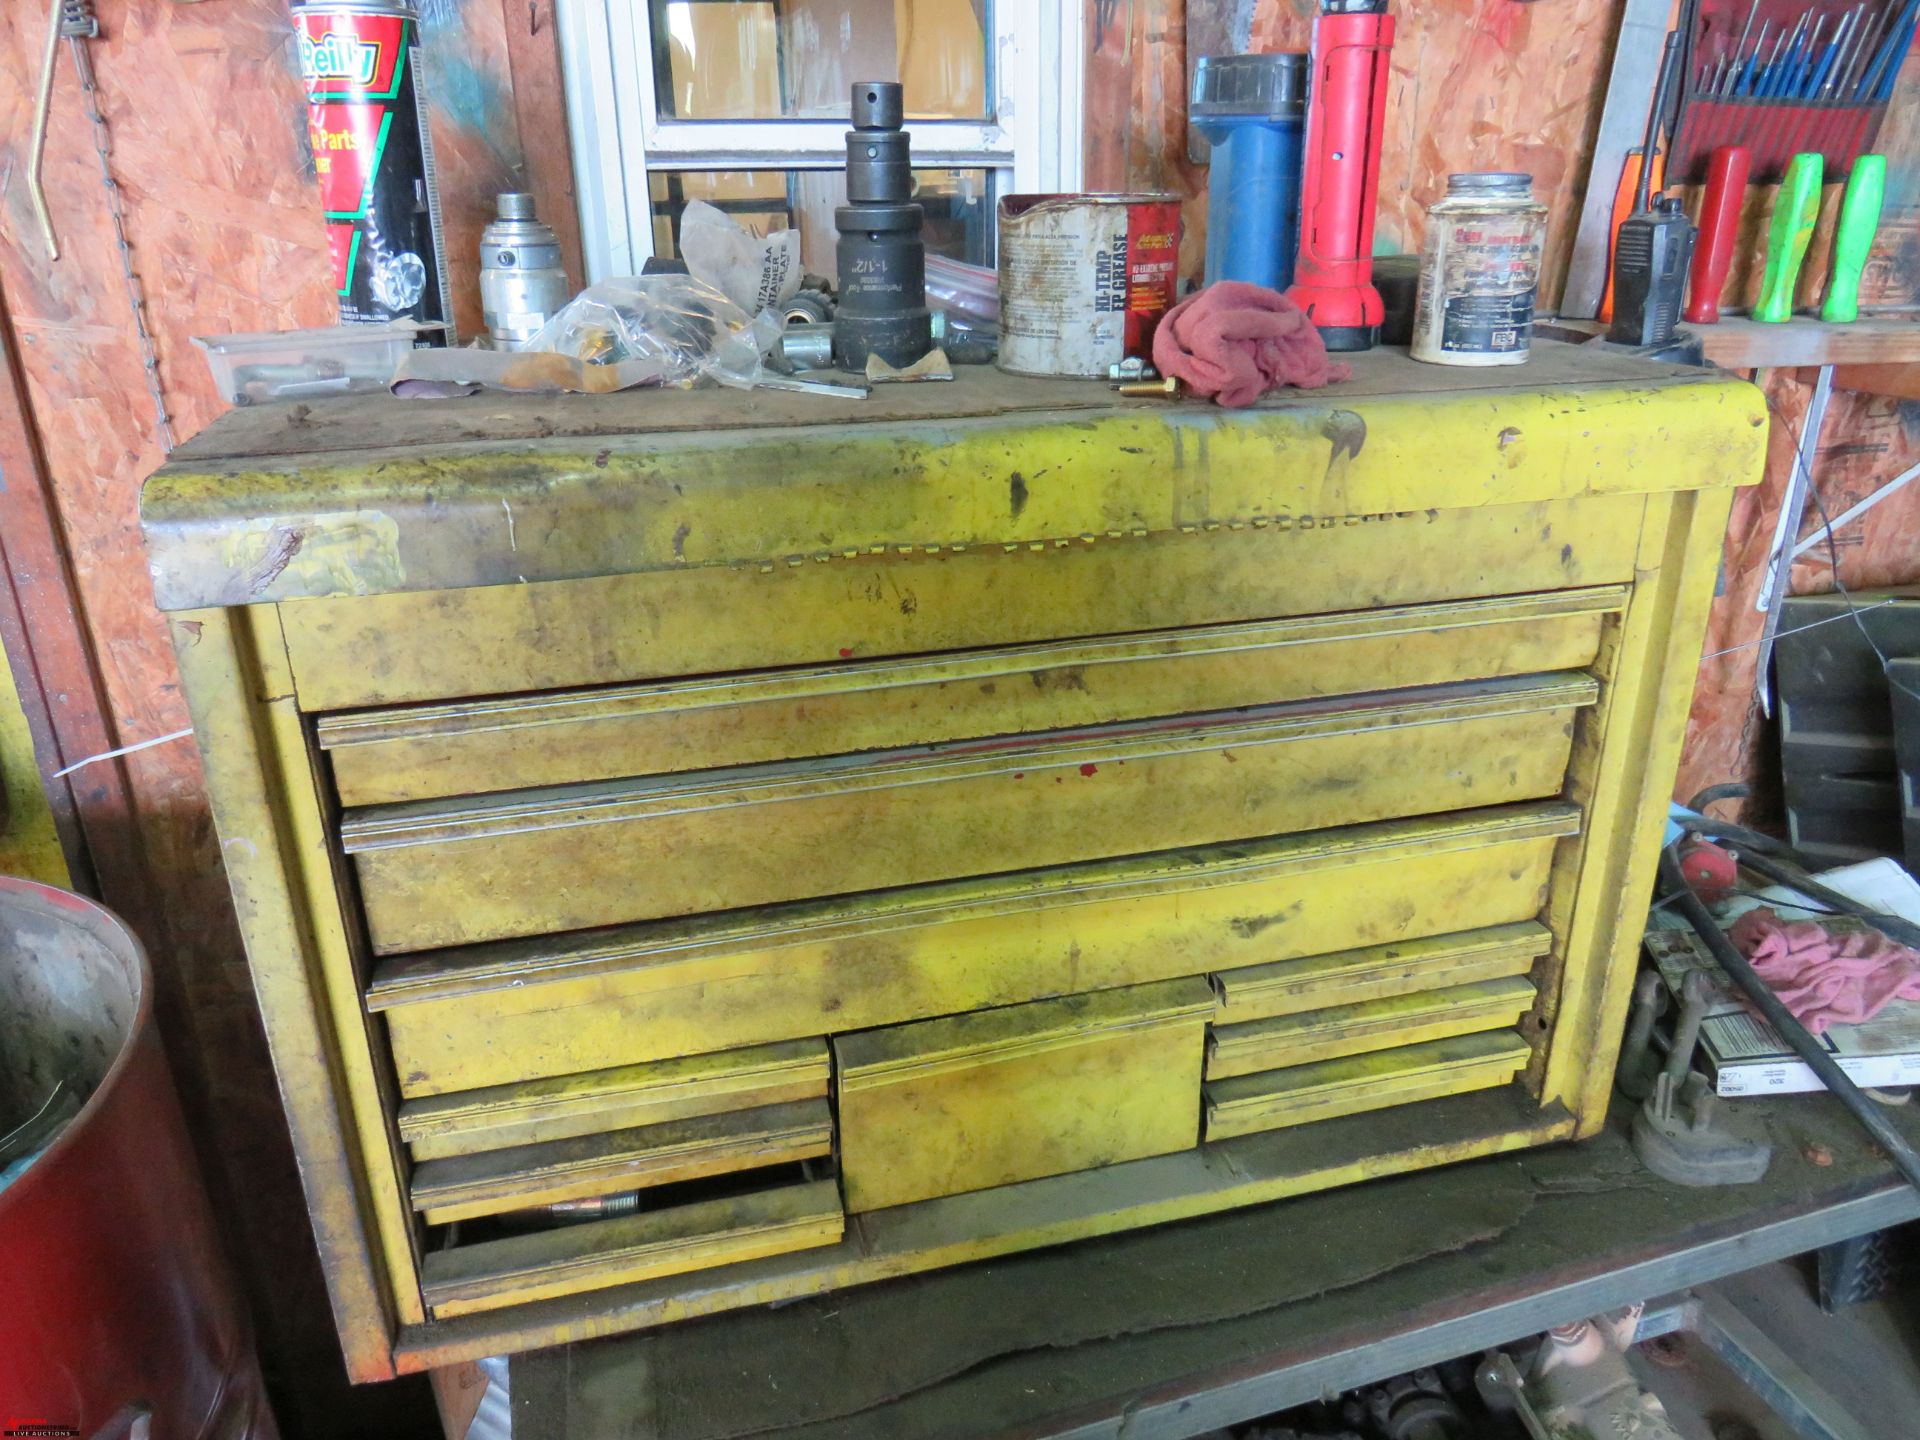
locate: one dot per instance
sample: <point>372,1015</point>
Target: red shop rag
<point>1823,977</point>
<point>1235,341</point>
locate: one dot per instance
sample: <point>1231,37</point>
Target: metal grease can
<point>360,60</point>
<point>1480,271</point>
<point>1084,279</point>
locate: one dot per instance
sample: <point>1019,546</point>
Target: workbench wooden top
<point>364,495</point>
<point>374,422</point>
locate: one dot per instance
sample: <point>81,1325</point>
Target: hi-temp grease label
<point>1151,265</point>
<point>1084,279</point>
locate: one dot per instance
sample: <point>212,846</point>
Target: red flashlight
<point>1340,188</point>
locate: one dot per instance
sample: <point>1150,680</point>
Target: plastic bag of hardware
<point>621,333</point>
<point>756,272</point>
<point>666,329</point>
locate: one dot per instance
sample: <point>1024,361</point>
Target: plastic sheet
<point>756,272</point>
<point>972,291</point>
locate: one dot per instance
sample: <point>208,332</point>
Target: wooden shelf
<point>1738,343</point>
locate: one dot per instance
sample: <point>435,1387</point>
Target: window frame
<point>1036,75</point>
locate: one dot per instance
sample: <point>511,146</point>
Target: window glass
<point>798,59</point>
<point>958,204</point>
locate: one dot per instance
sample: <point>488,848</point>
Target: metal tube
<point>1843,47</point>
<point>1686,1029</point>
<point>37,142</point>
<point>1780,560</point>
<point>1872,1118</point>
<point>1746,30</point>
<point>1855,511</point>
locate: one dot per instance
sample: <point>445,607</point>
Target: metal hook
<point>36,147</point>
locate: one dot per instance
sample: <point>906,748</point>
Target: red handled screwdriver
<point>1719,226</point>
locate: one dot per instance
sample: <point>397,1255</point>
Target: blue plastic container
<point>1252,109</point>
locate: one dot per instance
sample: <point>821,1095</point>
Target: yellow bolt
<point>1167,389</point>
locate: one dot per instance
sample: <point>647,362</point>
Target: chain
<point>78,25</point>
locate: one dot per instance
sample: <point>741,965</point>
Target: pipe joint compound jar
<point>1480,271</point>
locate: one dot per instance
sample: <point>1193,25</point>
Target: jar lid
<point>1490,182</point>
<point>1272,85</point>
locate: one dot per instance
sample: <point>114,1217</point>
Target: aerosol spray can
<point>521,279</point>
<point>361,63</point>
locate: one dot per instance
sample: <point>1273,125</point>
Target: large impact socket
<point>882,260</point>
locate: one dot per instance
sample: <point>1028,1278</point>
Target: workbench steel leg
<point>1793,509</point>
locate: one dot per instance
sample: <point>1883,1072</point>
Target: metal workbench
<point>1179,1330</point>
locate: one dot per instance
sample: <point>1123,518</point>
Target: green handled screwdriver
<point>1795,209</point>
<point>1853,237</point>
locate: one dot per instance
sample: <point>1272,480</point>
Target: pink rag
<point>1827,978</point>
<point>1235,341</point>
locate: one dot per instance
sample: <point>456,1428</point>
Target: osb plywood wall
<point>1477,85</point>
<point>1501,84</point>
<point>1867,440</point>
<point>208,139</point>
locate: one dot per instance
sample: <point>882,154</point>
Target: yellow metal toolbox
<point>703,848</point>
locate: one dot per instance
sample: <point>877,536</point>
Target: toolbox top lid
<point>368,495</point>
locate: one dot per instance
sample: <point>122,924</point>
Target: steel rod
<point>1793,507</point>
<point>37,142</point>
<point>1855,511</point>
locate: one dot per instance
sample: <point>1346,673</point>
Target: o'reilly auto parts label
<point>365,122</point>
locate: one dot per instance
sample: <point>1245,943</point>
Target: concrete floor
<point>1867,1356</point>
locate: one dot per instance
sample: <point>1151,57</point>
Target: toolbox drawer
<point>965,1102</point>
<point>1273,1099</point>
<point>563,1106</point>
<point>1377,971</point>
<point>618,1160</point>
<point>671,1240</point>
<point>518,1011</point>
<point>361,650</point>
<point>451,872</point>
<point>520,741</point>
<point>1313,1035</point>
